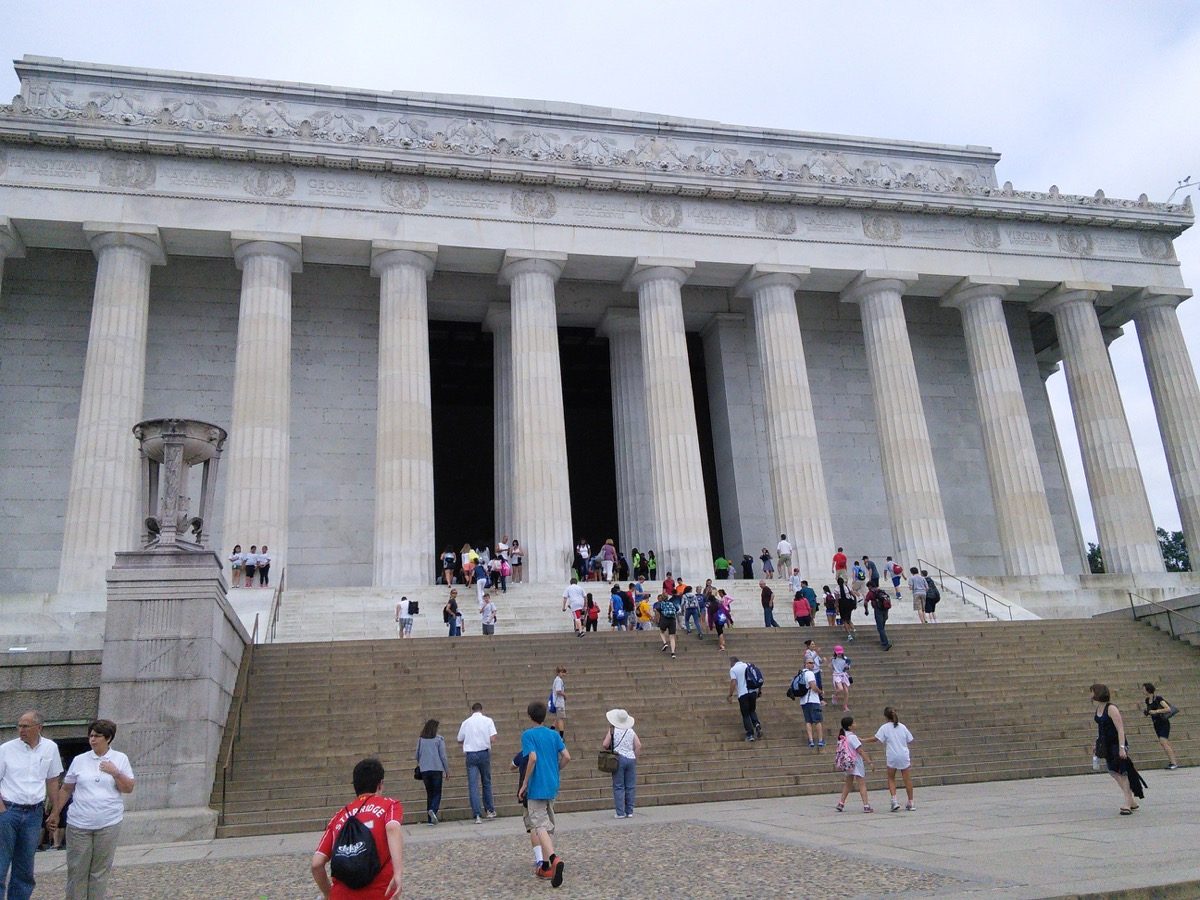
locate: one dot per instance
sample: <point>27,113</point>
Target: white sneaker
<point>619,816</point>
<point>895,806</point>
<point>492,814</point>
<point>478,820</point>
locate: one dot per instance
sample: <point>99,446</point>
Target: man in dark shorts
<point>667,608</point>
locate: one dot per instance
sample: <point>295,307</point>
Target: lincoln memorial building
<point>427,320</point>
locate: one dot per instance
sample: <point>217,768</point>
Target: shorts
<point>930,605</point>
<point>896,581</point>
<point>841,679</point>
<point>718,627</point>
<point>404,625</point>
<point>846,611</point>
<point>578,614</point>
<point>919,604</point>
<point>841,573</point>
<point>666,624</point>
<point>1162,726</point>
<point>812,713</point>
<point>785,562</point>
<point>539,814</point>
<point>249,570</point>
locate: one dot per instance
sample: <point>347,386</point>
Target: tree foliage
<point>1174,550</point>
<point>1095,559</point>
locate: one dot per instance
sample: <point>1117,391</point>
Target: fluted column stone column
<point>541,490</point>
<point>1018,491</point>
<point>404,551</point>
<point>1122,511</point>
<point>102,500</point>
<point>910,479</point>
<point>11,245</point>
<point>1176,396</point>
<point>797,476</point>
<point>631,445</point>
<point>498,320</point>
<point>256,496</point>
<point>677,483</point>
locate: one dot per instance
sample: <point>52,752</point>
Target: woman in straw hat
<point>623,740</point>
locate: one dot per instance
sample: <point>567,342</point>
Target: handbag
<point>1174,710</point>
<point>414,607</point>
<point>417,773</point>
<point>606,760</point>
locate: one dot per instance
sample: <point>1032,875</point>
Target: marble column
<point>1118,495</point>
<point>797,477</point>
<point>404,551</point>
<point>256,495</point>
<point>1176,398</point>
<point>910,479</point>
<point>677,484</point>
<point>1018,492</point>
<point>11,245</point>
<point>541,490</point>
<point>631,445</point>
<point>498,321</point>
<point>102,499</point>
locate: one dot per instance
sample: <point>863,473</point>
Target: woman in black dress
<point>1111,747</point>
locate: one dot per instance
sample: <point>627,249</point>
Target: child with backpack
<point>591,615</point>
<point>841,677</point>
<point>643,613</point>
<point>849,758</point>
<point>830,606</point>
<point>616,613</point>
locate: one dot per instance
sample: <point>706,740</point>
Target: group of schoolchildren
<point>609,564</point>
<point>485,567</point>
<point>247,565</point>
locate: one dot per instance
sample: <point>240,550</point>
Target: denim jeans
<point>479,768</point>
<point>624,785</point>
<point>769,618</point>
<point>20,830</point>
<point>693,613</point>
<point>880,619</point>
<point>433,790</point>
<point>748,704</point>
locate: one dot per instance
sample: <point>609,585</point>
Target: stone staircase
<point>986,701</point>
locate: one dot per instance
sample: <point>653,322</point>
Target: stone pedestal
<point>498,320</point>
<point>631,446</point>
<point>909,477</point>
<point>102,500</point>
<point>1018,492</point>
<point>11,245</point>
<point>172,647</point>
<point>677,484</point>
<point>797,477</point>
<point>541,490</point>
<point>404,552</point>
<point>256,500</point>
<point>1118,495</point>
<point>1176,399</point>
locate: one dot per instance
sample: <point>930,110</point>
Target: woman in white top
<point>235,560</point>
<point>95,782</point>
<point>623,740</point>
<point>895,737</point>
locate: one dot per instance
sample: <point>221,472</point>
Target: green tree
<point>1095,559</point>
<point>1174,550</point>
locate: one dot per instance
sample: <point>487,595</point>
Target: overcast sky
<point>1084,95</point>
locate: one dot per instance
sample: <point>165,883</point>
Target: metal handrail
<point>241,689</point>
<point>1164,609</point>
<point>962,590</point>
<point>276,602</point>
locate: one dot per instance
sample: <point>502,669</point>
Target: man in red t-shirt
<point>839,565</point>
<point>382,816</point>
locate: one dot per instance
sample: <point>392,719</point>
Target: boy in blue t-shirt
<point>546,756</point>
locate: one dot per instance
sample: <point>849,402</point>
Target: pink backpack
<point>844,758</point>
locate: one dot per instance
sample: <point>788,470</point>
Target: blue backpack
<point>754,677</point>
<point>618,608</point>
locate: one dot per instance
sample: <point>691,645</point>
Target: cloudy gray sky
<point>1085,95</point>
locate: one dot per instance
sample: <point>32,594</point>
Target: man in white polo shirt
<point>477,734</point>
<point>29,770</point>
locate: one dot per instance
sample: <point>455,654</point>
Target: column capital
<point>763,275</point>
<point>1153,297</point>
<point>519,262</point>
<point>1069,292</point>
<point>619,320</point>
<point>498,317</point>
<point>873,280</point>
<point>145,238</point>
<point>655,268</point>
<point>266,243</point>
<point>403,253</point>
<point>975,287</point>
<point>11,245</point>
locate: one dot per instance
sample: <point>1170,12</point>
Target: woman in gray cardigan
<point>431,760</point>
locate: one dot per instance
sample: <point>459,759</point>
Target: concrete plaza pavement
<point>1034,838</point>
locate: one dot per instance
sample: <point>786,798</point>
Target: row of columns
<point>661,498</point>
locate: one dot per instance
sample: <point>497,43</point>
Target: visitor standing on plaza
<point>608,559</point>
<point>235,564</point>
<point>1159,711</point>
<point>918,586</point>
<point>747,698</point>
<point>29,770</point>
<point>545,757</point>
<point>1113,748</point>
<point>477,734</point>
<point>767,598</point>
<point>404,618</point>
<point>451,615</point>
<point>263,563</point>
<point>575,598</point>
<point>768,566</point>
<point>623,740</point>
<point>850,745</point>
<point>487,615</point>
<point>434,767</point>
<point>840,569</point>
<point>810,704</point>
<point>794,580</point>
<point>516,558</point>
<point>784,551</point>
<point>895,737</point>
<point>94,783</point>
<point>250,565</point>
<point>381,817</point>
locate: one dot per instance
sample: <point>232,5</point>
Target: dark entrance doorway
<point>708,457</point>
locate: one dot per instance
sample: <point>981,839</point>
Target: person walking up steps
<point>918,586</point>
<point>747,698</point>
<point>879,603</point>
<point>895,571</point>
<point>546,756</point>
<point>575,597</point>
<point>784,550</point>
<point>849,759</point>
<point>895,737</point>
<point>668,609</point>
<point>841,677</point>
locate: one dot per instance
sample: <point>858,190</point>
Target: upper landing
<point>98,107</point>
